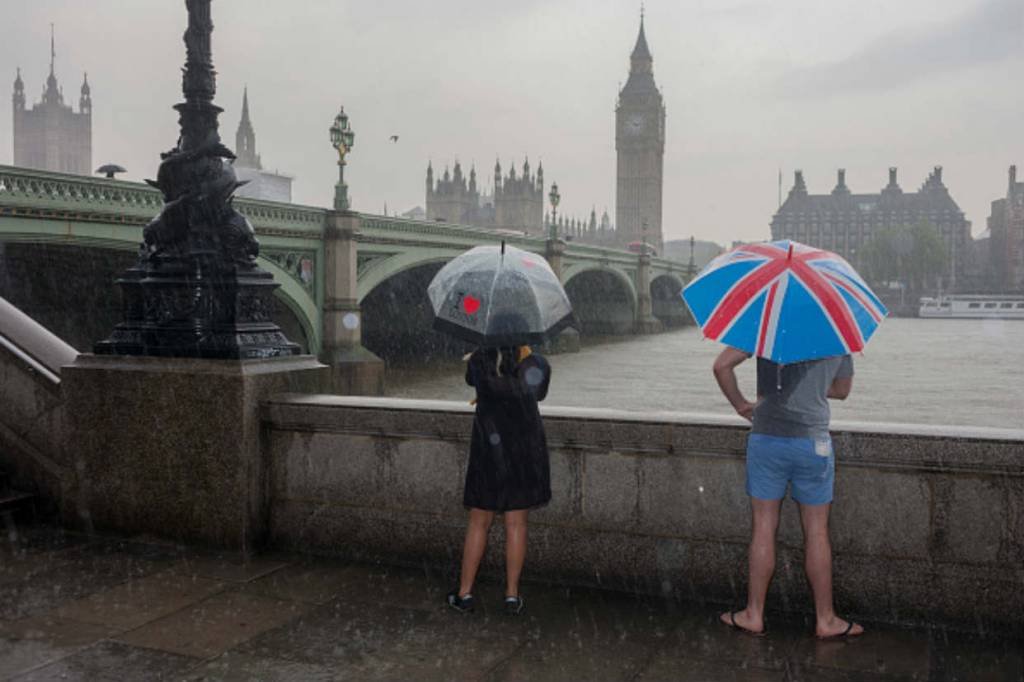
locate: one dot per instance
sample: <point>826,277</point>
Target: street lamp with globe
<point>554,197</point>
<point>342,139</point>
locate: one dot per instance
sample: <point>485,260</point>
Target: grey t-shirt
<point>792,399</point>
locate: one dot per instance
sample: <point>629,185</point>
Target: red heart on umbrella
<point>470,304</point>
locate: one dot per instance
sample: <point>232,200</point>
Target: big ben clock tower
<point>640,143</point>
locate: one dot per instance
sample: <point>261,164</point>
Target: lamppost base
<point>199,307</point>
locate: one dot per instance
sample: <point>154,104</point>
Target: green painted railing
<point>45,194</point>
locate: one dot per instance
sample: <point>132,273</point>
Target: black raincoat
<point>508,456</point>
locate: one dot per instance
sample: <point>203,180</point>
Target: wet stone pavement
<point>74,607</point>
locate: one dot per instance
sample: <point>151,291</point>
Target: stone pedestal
<point>567,341</point>
<point>646,322</point>
<point>554,252</point>
<point>171,447</point>
<point>354,369</point>
<point>649,325</point>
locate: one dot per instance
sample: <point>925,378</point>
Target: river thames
<point>913,371</point>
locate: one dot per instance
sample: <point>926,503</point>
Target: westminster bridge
<point>345,278</point>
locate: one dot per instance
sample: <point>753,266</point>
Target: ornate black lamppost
<point>554,197</point>
<point>342,139</point>
<point>196,290</point>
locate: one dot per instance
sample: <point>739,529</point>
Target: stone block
<point>566,488</point>
<point>694,497</point>
<point>611,490</point>
<point>976,520</point>
<point>1013,548</point>
<point>881,513</point>
<point>426,475</point>
<point>170,446</point>
<point>341,468</point>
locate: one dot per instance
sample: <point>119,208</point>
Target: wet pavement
<point>74,607</point>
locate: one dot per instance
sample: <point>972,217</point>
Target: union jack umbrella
<point>784,301</point>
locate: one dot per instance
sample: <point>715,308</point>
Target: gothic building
<point>51,136</point>
<point>640,144</point>
<point>843,222</point>
<point>260,184</point>
<point>516,202</point>
<point>1006,241</point>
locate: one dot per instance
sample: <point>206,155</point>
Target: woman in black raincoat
<point>508,468</point>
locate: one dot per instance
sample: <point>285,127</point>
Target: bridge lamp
<point>342,139</point>
<point>554,197</point>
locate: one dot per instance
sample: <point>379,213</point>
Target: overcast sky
<point>750,87</point>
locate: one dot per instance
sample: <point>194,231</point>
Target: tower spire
<point>641,53</point>
<point>245,105</point>
<point>245,138</point>
<point>53,50</point>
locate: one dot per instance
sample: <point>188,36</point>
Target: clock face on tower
<point>634,124</point>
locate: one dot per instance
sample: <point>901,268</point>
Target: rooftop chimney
<point>1013,175</point>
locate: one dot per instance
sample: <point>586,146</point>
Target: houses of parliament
<point>51,135</point>
<point>516,200</point>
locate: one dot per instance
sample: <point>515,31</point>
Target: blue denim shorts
<point>773,462</point>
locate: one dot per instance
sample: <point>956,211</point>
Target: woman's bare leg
<point>515,549</point>
<point>473,549</point>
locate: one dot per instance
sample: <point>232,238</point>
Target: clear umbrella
<point>499,296</point>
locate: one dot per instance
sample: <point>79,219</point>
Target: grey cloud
<point>991,32</point>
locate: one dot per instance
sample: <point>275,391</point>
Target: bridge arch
<point>299,302</point>
<point>396,312</point>
<point>383,267</point>
<point>666,302</point>
<point>603,298</point>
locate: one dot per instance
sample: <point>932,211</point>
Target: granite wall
<point>928,524</point>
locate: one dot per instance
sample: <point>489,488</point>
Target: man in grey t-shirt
<point>789,446</point>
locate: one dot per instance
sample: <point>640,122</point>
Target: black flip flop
<point>736,626</point>
<point>841,635</point>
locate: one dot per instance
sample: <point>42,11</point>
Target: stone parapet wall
<point>928,524</point>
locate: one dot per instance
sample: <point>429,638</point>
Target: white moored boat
<point>991,307</point>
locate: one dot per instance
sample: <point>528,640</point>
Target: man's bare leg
<point>818,564</point>
<point>473,549</point>
<point>765,522</point>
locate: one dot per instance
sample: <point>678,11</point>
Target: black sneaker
<point>514,606</point>
<point>460,604</point>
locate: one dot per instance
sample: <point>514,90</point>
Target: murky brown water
<point>944,372</point>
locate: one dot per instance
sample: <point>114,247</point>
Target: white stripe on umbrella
<point>771,321</point>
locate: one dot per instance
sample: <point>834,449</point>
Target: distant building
<point>517,202</point>
<point>1006,231</point>
<point>590,231</point>
<point>640,144</point>
<point>260,184</point>
<point>703,251</point>
<point>415,213</point>
<point>51,136</point>
<point>844,222</point>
